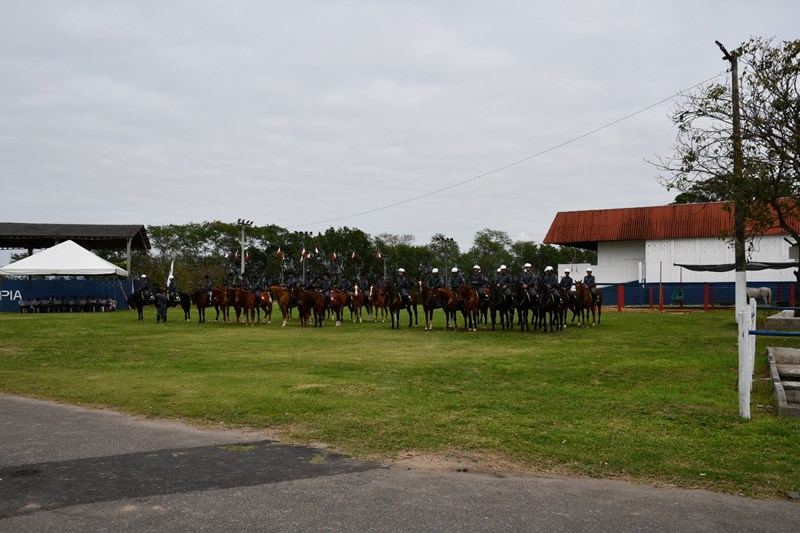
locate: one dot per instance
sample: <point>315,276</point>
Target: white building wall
<point>619,261</point>
<point>661,256</point>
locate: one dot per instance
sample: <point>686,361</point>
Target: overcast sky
<point>313,114</point>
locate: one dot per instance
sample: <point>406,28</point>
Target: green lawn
<point>645,396</point>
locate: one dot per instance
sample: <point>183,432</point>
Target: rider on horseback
<point>503,282</point>
<point>591,283</point>
<point>435,282</point>
<point>477,282</point>
<point>363,286</point>
<point>144,289</point>
<point>456,279</point>
<point>402,285</point>
<point>325,287</point>
<point>345,285</point>
<point>309,282</point>
<point>551,281</point>
<point>528,281</point>
<point>566,283</point>
<point>172,290</point>
<point>207,287</point>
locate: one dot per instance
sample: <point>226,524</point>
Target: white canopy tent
<point>64,259</point>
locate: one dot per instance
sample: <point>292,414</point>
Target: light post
<point>242,223</point>
<point>446,243</point>
<point>303,235</point>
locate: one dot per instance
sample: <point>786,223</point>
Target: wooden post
<point>620,297</point>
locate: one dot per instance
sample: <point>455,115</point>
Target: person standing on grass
<point>161,305</point>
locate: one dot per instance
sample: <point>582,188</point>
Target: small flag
<point>334,256</point>
<point>304,254</point>
<point>316,250</point>
<point>377,255</point>
<point>354,255</point>
<point>247,257</point>
<point>280,253</point>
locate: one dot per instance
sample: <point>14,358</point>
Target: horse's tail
<point>768,295</point>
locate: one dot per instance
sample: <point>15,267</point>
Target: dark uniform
<point>528,281</point>
<point>591,284</point>
<point>504,282</point>
<point>456,280</point>
<point>402,286</point>
<point>207,287</point>
<point>477,282</point>
<point>434,281</point>
<point>172,289</point>
<point>363,286</point>
<point>551,280</point>
<point>325,287</point>
<point>161,306</point>
<point>291,281</point>
<point>145,290</point>
<point>344,285</point>
<point>566,283</point>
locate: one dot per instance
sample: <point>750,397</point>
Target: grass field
<point>649,397</point>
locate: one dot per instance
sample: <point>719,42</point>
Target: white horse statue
<point>765,293</point>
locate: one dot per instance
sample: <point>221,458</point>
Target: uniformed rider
<point>477,282</point>
<point>503,282</point>
<point>402,285</point>
<point>567,283</point>
<point>590,283</point>
<point>551,281</point>
<point>528,281</point>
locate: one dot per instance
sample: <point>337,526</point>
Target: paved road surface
<point>64,468</point>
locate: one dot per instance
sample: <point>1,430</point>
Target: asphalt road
<point>64,468</point>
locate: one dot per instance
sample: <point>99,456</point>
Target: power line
<point>515,163</point>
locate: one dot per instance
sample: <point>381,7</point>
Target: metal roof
<point>584,229</point>
<point>25,236</point>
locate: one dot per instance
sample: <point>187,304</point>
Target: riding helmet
<point>454,270</point>
<point>526,265</point>
<point>435,271</point>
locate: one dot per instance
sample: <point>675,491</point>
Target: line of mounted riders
<point>543,301</point>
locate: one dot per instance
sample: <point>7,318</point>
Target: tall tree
<point>702,165</point>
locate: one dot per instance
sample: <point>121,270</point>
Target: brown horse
<point>245,301</point>
<point>378,300</point>
<point>469,307</point>
<point>201,301</point>
<point>264,303</point>
<point>219,299</point>
<point>548,308</point>
<point>449,299</point>
<point>585,303</point>
<point>308,302</point>
<point>430,301</point>
<point>395,303</point>
<point>282,296</point>
<point>357,301</point>
<point>336,302</point>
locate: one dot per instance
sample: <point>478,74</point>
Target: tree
<point>702,166</point>
<point>490,249</point>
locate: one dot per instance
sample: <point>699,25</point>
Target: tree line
<point>270,252</point>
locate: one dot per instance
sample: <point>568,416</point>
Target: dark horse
<point>585,303</point>
<point>202,302</point>
<point>395,303</point>
<point>136,301</point>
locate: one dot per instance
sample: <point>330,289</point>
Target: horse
<point>765,293</point>
<point>526,303</point>
<point>264,303</point>
<point>548,307</point>
<point>357,301</point>
<point>201,301</point>
<point>450,305</point>
<point>499,303</point>
<point>395,303</point>
<point>378,300</point>
<point>136,301</point>
<point>284,299</point>
<point>583,303</point>
<point>245,300</point>
<point>308,302</point>
<point>469,307</point>
<point>430,301</point>
<point>336,301</point>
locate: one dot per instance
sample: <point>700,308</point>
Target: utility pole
<point>446,242</point>
<point>739,237</point>
<point>242,223</point>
